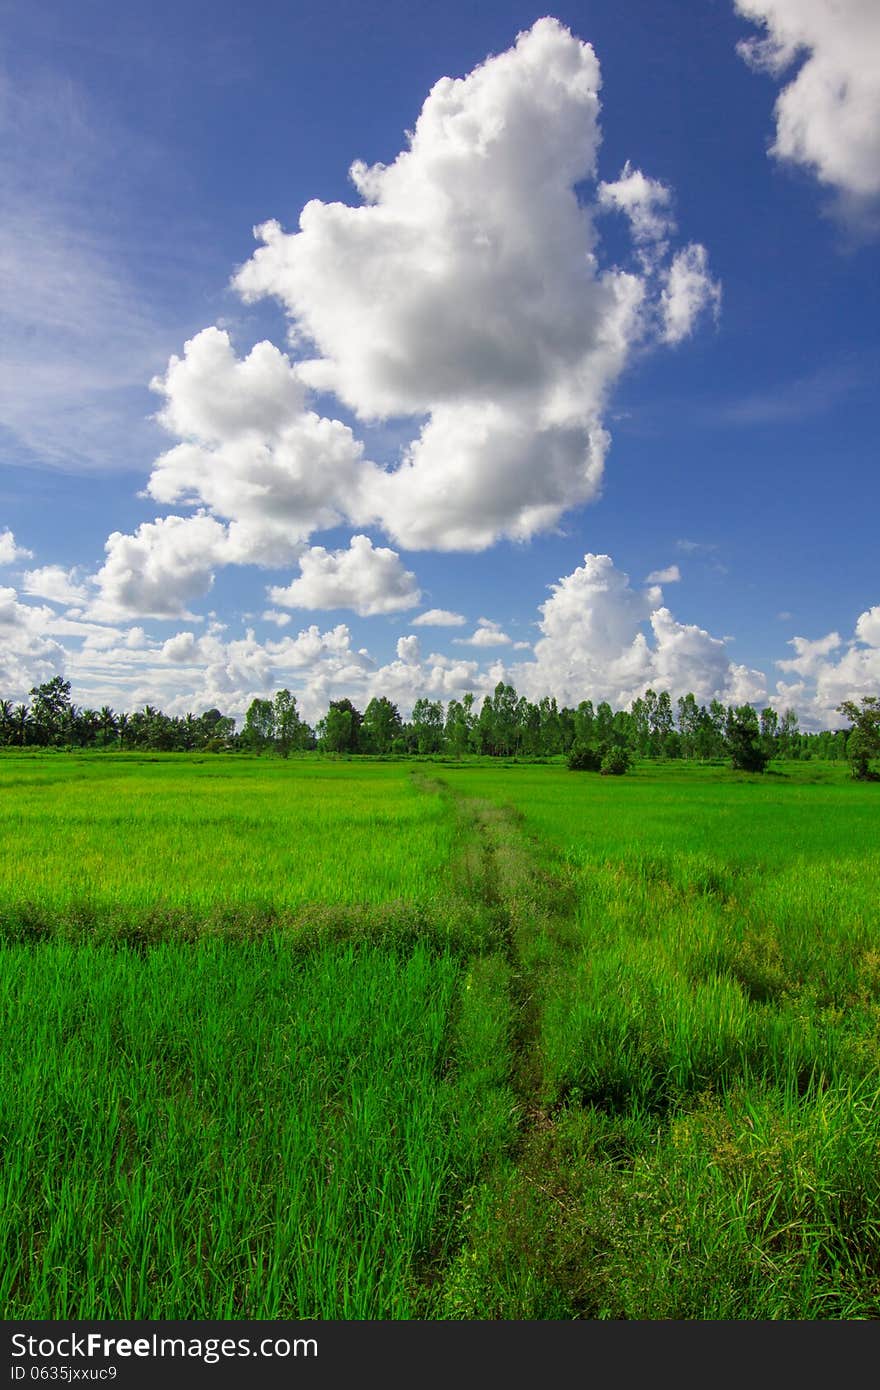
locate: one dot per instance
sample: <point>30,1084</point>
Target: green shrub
<point>582,758</point>
<point>615,762</point>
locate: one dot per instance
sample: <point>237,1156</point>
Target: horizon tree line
<point>503,724</point>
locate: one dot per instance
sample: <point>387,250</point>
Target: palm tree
<point>123,728</point>
<point>6,708</point>
<point>106,724</point>
<point>67,727</point>
<point>87,726</point>
<point>21,719</point>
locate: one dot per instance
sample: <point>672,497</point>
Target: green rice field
<point>118,842</point>
<point>371,1040</point>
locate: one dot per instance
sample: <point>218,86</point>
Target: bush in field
<point>582,758</point>
<point>615,762</point>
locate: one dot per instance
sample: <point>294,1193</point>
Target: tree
<point>504,708</point>
<point>742,732</point>
<point>107,725</point>
<point>84,726</point>
<point>382,724</point>
<point>50,708</point>
<point>688,723</point>
<point>259,725</point>
<point>340,728</point>
<point>584,716</point>
<point>21,724</point>
<point>529,721</point>
<point>603,726</point>
<point>290,731</point>
<point>551,726</point>
<point>426,724</point>
<point>459,724</point>
<point>663,726</point>
<point>863,743</point>
<point>788,728</point>
<point>769,730</point>
<point>485,727</point>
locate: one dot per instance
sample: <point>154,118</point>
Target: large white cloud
<point>364,578</point>
<point>465,292</point>
<point>252,451</point>
<point>160,569</point>
<point>828,116</point>
<point>595,646</point>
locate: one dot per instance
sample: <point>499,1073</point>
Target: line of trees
<point>52,720</point>
<point>503,724</point>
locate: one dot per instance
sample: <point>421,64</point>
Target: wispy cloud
<point>695,547</point>
<point>78,340</point>
<point>802,398</point>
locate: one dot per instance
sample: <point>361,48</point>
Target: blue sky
<point>606,313</point>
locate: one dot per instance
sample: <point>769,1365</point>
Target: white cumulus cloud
<point>486,634</point>
<point>595,645</point>
<point>688,292</point>
<point>10,551</point>
<point>367,579</point>
<point>828,114</point>
<point>439,617</point>
<point>28,656</point>
<point>464,291</point>
<point>55,583</point>
<point>252,452</point>
<point>645,202</point>
<point>160,569</point>
<point>831,669</point>
<point>670,575</point>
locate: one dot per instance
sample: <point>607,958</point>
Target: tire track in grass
<point>530,922</point>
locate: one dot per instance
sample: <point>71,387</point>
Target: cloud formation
<point>10,551</point>
<point>160,569</point>
<point>688,291</point>
<point>364,578</point>
<point>486,634</point>
<point>464,291</point>
<point>829,669</point>
<point>828,115</point>
<point>439,617</point>
<point>595,645</point>
<point>252,452</point>
<point>463,294</point>
<point>27,656</point>
<point>56,584</point>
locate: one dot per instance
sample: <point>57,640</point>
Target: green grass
<point>111,842</point>
<point>340,1039</point>
<point>705,1054</point>
<point>236,1131</point>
